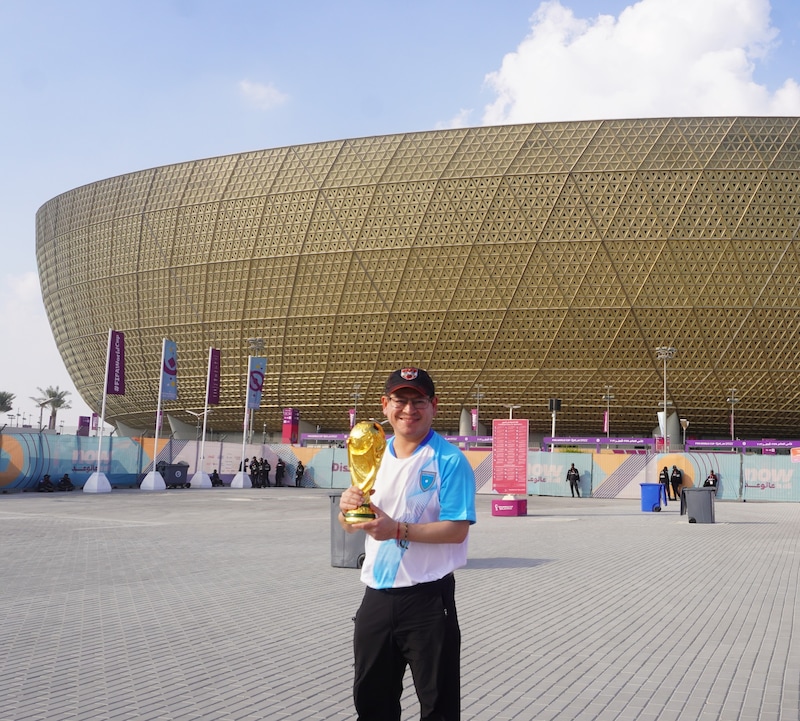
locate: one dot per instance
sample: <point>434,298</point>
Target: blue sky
<point>92,89</point>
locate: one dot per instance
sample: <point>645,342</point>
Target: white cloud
<point>658,58</point>
<point>460,120</point>
<point>264,97</point>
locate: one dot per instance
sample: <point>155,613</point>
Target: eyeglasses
<point>418,403</point>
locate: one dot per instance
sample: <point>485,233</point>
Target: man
<point>255,470</point>
<point>424,503</point>
<point>711,481</point>
<point>676,480</point>
<point>574,480</point>
<point>663,479</point>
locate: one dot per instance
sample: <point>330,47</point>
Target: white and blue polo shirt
<point>435,484</point>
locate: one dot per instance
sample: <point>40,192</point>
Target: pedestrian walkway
<point>222,605</point>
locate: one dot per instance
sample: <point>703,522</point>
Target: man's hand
<point>351,499</point>
<point>381,528</point>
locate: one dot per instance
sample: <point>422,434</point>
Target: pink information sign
<point>510,455</point>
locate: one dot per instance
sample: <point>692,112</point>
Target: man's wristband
<point>402,542</point>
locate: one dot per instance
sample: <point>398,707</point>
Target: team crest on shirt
<point>426,480</point>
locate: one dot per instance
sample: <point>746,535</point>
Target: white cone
<point>153,481</point>
<point>241,480</point>
<point>200,480</point>
<point>97,483</point>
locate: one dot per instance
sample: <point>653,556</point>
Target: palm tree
<point>6,399</point>
<point>53,398</point>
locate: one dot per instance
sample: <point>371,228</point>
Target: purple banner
<point>594,440</point>
<point>291,425</point>
<point>115,364</point>
<point>763,444</point>
<point>213,376</point>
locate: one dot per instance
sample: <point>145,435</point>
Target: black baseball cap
<point>415,378</point>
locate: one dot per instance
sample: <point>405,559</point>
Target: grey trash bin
<point>699,504</point>
<point>347,549</point>
<point>176,475</point>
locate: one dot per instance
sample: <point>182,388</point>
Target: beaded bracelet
<point>403,543</point>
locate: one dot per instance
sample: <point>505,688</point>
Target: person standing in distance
<point>574,480</point>
<point>424,504</point>
<point>663,479</point>
<point>676,481</point>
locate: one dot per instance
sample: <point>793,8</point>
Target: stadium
<point>516,263</point>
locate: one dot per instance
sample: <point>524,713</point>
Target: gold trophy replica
<point>365,446</point>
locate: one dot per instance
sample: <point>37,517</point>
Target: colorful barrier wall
<point>26,457</point>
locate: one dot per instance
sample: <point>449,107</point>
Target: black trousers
<point>574,487</point>
<point>416,627</point>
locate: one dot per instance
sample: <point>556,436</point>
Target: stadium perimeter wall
<point>26,457</point>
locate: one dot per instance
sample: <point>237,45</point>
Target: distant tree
<point>6,399</point>
<point>54,399</point>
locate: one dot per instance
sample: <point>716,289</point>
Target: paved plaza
<point>222,605</point>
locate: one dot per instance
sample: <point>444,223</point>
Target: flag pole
<point>201,479</point>
<point>246,414</point>
<point>103,406</point>
<point>158,407</point>
<point>154,481</point>
<point>205,414</point>
<point>241,479</point>
<point>98,482</point>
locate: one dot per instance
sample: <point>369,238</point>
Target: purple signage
<point>212,397</point>
<point>115,364</point>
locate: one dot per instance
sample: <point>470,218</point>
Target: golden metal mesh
<point>538,261</point>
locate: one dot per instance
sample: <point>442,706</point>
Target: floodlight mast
<point>665,353</point>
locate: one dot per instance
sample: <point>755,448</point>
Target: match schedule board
<point>510,455</point>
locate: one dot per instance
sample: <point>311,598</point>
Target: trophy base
<point>359,515</point>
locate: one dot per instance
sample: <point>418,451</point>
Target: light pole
<point>511,409</point>
<point>665,353</point>
<point>478,396</point>
<point>684,425</point>
<point>608,397</point>
<point>554,405</point>
<point>356,396</point>
<point>197,417</point>
<point>732,399</point>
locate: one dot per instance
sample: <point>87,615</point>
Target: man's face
<point>410,412</point>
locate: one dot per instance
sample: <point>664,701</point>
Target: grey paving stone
<point>222,605</point>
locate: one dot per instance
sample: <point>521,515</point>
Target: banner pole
<point>205,414</point>
<point>246,409</point>
<point>158,407</point>
<point>103,406</point>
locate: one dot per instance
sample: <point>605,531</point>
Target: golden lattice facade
<point>532,261</point>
